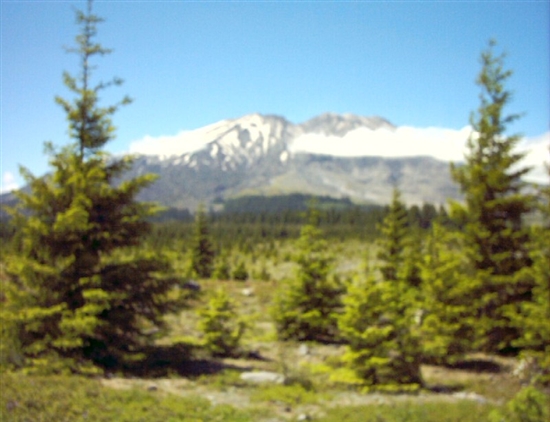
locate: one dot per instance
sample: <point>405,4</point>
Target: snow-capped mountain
<point>358,157</point>
<point>335,155</point>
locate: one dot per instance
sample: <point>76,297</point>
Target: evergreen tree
<point>240,273</point>
<point>379,321</point>
<point>378,324</point>
<point>306,306</point>
<point>393,239</point>
<point>494,206</point>
<point>202,258</point>
<point>412,260</point>
<point>448,323</point>
<point>220,324</point>
<point>533,316</point>
<point>78,294</point>
<point>222,271</point>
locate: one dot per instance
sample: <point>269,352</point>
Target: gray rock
<point>303,350</point>
<point>192,285</point>
<point>263,377</point>
<point>470,396</point>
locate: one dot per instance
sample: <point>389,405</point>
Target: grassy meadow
<point>180,381</point>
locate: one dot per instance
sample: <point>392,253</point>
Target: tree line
<point>246,227</point>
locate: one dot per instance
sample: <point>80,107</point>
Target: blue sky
<point>189,64</point>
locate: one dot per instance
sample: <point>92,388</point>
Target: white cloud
<point>405,141</point>
<point>9,182</point>
<point>537,155</point>
<point>439,143</point>
<point>164,146</point>
<point>182,143</point>
<point>443,144</point>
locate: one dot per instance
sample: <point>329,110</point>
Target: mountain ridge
<point>254,155</point>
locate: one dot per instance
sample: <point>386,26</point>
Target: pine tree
<point>79,293</point>
<point>220,324</point>
<point>378,320</point>
<point>202,258</point>
<point>491,181</point>
<point>378,325</point>
<point>393,240</point>
<point>240,272</point>
<point>448,323</point>
<point>306,306</point>
<point>222,271</point>
<point>532,317</point>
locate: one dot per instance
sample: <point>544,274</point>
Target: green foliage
<point>240,273</point>
<point>263,274</point>
<point>410,411</point>
<point>89,123</point>
<point>448,322</point>
<point>532,317</point>
<point>222,271</point>
<point>53,399</point>
<point>290,395</point>
<point>202,258</point>
<point>393,239</point>
<point>306,306</point>
<point>494,206</point>
<point>529,405</point>
<point>221,326</point>
<point>378,324</point>
<point>77,295</point>
<point>379,321</point>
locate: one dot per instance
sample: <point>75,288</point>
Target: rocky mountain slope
<point>257,154</point>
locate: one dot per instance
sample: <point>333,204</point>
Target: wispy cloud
<point>167,145</point>
<point>181,143</point>
<point>442,144</point>
<point>9,182</point>
<point>537,154</point>
<point>404,141</point>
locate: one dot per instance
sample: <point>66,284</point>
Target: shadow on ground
<point>179,359</point>
<point>477,365</point>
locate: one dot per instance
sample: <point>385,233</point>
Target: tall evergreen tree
<point>306,306</point>
<point>202,251</point>
<point>532,317</point>
<point>78,294</point>
<point>383,343</point>
<point>491,181</point>
<point>447,322</point>
<point>393,239</point>
<point>378,320</point>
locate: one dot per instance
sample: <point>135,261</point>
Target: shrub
<point>221,326</point>
<point>240,273</point>
<point>529,405</point>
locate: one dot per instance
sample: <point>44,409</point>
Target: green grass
<point>462,411</point>
<point>58,399</point>
<point>41,399</point>
<point>195,387</point>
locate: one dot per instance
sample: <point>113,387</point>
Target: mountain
<point>265,155</point>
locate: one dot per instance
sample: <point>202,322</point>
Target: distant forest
<point>251,219</point>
